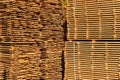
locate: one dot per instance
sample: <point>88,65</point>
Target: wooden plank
<point>93,60</point>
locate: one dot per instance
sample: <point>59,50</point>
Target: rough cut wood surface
<point>25,62</point>
<point>33,32</point>
<point>52,18</point>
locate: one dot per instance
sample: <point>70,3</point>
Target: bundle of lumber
<point>51,60</point>
<point>20,21</point>
<point>2,70</point>
<point>5,61</point>
<point>52,18</point>
<point>91,19</point>
<point>25,62</point>
<point>33,31</point>
<point>92,60</point>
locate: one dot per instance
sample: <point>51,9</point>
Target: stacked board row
<point>30,21</point>
<point>51,60</point>
<point>23,61</point>
<point>93,19</point>
<point>34,34</point>
<point>52,18</point>
<point>19,62</point>
<point>19,21</point>
<point>92,60</point>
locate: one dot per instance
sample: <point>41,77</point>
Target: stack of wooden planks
<point>5,61</point>
<point>2,70</point>
<point>92,50</point>
<point>92,60</point>
<point>33,32</point>
<point>20,22</point>
<point>93,19</point>
<point>52,34</point>
<point>25,62</point>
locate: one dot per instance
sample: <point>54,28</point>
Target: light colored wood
<point>101,12</point>
<point>94,60</point>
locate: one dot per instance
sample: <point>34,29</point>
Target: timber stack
<point>52,34</point>
<point>31,39</point>
<point>92,50</point>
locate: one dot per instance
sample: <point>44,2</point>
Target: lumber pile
<point>51,61</point>
<point>2,68</point>
<point>1,71</point>
<point>92,50</point>
<point>25,62</point>
<point>5,61</point>
<point>52,34</point>
<point>92,60</point>
<point>22,23</point>
<point>90,19</point>
<point>34,34</point>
